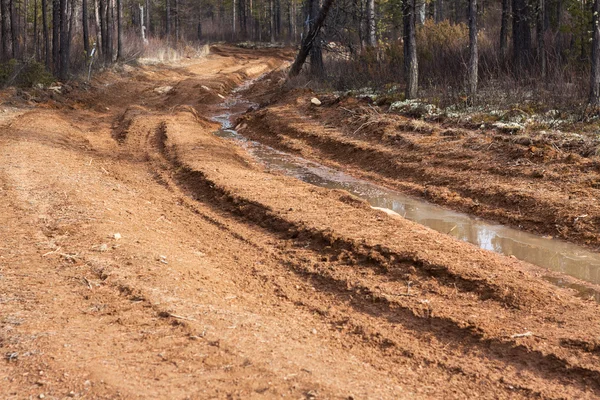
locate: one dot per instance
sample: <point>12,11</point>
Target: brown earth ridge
<point>141,256</point>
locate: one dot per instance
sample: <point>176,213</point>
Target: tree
<point>168,20</point>
<point>541,41</point>
<point>411,65</point>
<point>56,36</point>
<point>4,8</point>
<point>521,33</point>
<point>371,23</point>
<point>45,33</point>
<point>119,30</point>
<point>504,26</point>
<point>14,33</point>
<point>473,53</point>
<point>84,22</point>
<point>309,39</point>
<point>594,98</point>
<point>63,69</point>
<point>316,52</point>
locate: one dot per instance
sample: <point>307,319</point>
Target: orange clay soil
<point>143,257</point>
<point>546,184</point>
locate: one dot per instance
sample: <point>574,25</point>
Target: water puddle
<point>553,254</point>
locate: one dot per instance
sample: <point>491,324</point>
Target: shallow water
<point>548,253</point>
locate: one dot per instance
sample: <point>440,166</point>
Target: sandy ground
<point>143,257</point>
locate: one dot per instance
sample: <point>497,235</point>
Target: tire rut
<point>202,189</point>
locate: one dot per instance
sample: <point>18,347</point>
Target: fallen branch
<point>520,335</point>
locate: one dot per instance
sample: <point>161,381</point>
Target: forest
<point>448,51</point>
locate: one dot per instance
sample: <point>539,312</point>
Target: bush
<point>24,74</point>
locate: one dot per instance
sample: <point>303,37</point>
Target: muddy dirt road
<point>141,256</point>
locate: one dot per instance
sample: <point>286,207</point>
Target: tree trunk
<point>290,25</point>
<point>521,33</point>
<point>109,32</point>
<point>71,11</point>
<point>372,38</point>
<point>177,26</point>
<point>143,25</point>
<point>316,52</point>
<point>101,18</point>
<point>119,30</point>
<point>594,99</point>
<point>277,19</point>
<point>504,26</point>
<point>272,21</point>
<point>35,30</point>
<point>243,19</point>
<point>234,13</point>
<point>4,9</point>
<point>25,10</point>
<point>14,30</point>
<point>473,53</point>
<point>457,11</point>
<point>541,40</point>
<point>56,36</point>
<point>64,42</point>
<point>45,34</point>
<point>99,34</point>
<point>168,21</point>
<point>439,11</point>
<point>411,65</point>
<point>86,32</point>
<point>309,39</point>
<point>148,22</point>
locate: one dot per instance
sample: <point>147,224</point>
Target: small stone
<point>117,236</point>
<point>101,247</point>
<point>316,102</point>
<point>72,394</point>
<point>163,89</point>
<point>313,331</point>
<point>42,396</point>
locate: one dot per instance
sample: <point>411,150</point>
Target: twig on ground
<point>521,335</point>
<point>52,252</point>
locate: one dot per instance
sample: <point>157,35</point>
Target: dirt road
<point>143,257</point>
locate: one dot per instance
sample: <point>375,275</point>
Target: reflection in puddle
<point>549,253</point>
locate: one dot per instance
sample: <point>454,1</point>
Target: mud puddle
<point>549,253</point>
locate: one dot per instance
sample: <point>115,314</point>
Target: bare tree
<point>473,53</point>
<point>372,38</point>
<point>45,33</point>
<point>86,32</point>
<point>309,39</point>
<point>594,99</point>
<point>14,30</point>
<point>411,65</point>
<point>439,11</point>
<point>4,9</point>
<point>168,20</point>
<point>504,26</point>
<point>521,33</point>
<point>56,36</point>
<point>64,41</point>
<point>317,68</point>
<point>541,40</point>
<point>119,30</point>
